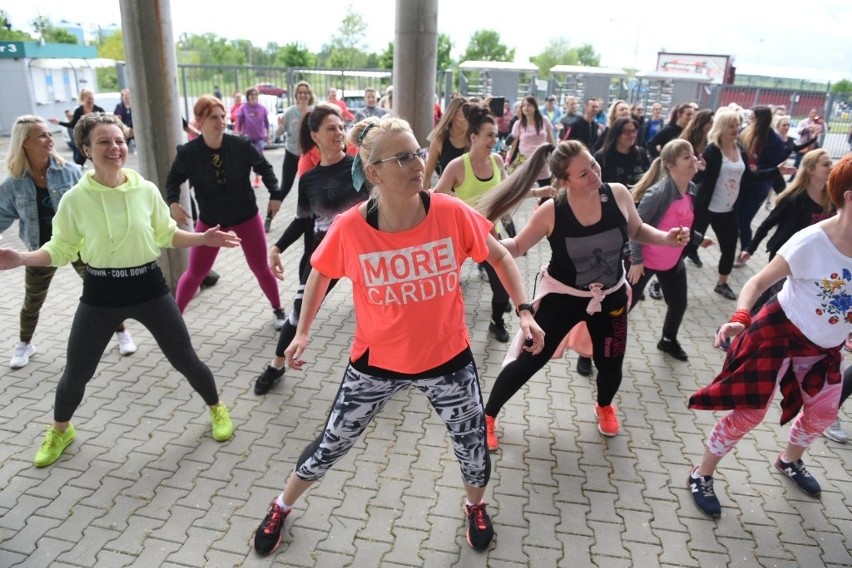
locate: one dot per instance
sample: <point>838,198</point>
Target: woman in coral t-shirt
<point>403,252</point>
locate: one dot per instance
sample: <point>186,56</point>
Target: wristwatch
<point>525,307</point>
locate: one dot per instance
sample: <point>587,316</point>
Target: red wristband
<point>742,316</point>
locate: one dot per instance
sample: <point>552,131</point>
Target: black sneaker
<point>704,495</point>
<point>654,291</point>
<point>210,280</point>
<point>267,379</point>
<point>268,535</point>
<point>673,348</point>
<point>696,260</point>
<point>584,366</point>
<point>498,330</point>
<point>725,291</point>
<point>480,531</point>
<point>800,475</point>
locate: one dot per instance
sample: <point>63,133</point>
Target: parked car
<point>270,89</point>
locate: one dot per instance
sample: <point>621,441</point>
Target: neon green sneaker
<point>223,428</point>
<point>53,445</point>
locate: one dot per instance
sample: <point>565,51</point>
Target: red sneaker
<point>491,433</point>
<point>607,420</point>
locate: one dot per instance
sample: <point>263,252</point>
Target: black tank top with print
<point>586,255</point>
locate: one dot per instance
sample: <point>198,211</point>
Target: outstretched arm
<point>315,289</point>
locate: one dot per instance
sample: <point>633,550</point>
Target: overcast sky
<point>808,40</point>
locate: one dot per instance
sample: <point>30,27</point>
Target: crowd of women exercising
<point>620,203</point>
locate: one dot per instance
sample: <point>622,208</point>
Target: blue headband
<point>358,179</point>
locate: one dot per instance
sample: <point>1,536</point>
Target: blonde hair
<point>368,134</point>
<point>724,120</point>
<point>803,179</point>
<point>17,162</point>
<point>673,150</point>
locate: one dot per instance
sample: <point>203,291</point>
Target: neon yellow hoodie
<point>111,227</point>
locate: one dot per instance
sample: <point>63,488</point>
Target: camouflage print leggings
<point>36,282</point>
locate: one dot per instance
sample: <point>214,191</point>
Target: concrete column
<point>415,60</point>
<point>149,48</point>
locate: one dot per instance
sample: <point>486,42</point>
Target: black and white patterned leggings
<point>456,397</point>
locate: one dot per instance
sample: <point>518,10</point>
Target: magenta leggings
<point>818,412</point>
<point>254,248</point>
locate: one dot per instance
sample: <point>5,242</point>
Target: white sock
<point>695,474</point>
<point>276,367</point>
<point>280,501</point>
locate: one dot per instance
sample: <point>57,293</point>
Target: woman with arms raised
<point>431,235</point>
<point>117,222</point>
<point>587,226</point>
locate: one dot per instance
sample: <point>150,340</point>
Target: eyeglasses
<point>406,158</point>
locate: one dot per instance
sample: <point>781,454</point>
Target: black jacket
<point>706,180</point>
<point>229,201</point>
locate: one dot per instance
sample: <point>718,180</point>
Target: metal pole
<point>150,49</point>
<point>415,61</point>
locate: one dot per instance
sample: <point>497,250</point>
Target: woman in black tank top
<point>448,140</point>
<point>587,225</point>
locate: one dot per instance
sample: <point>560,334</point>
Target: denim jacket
<point>18,199</point>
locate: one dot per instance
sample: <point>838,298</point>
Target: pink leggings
<point>818,412</point>
<point>254,248</point>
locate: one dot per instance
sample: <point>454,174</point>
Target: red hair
<point>204,106</point>
<point>840,180</point>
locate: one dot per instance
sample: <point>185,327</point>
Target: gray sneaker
<point>836,433</point>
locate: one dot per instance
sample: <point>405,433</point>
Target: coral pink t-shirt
<point>679,214</point>
<point>409,309</point>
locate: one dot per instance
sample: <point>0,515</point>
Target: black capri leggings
<point>725,225</point>
<point>557,314</point>
<point>91,331</point>
<point>673,285</point>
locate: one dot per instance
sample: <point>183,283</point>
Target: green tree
<point>384,60</point>
<point>445,47</point>
<point>842,86</point>
<point>588,55</point>
<point>295,55</point>
<point>110,47</point>
<point>51,34</point>
<point>485,45</point>
<point>560,52</point>
<point>556,52</point>
<point>8,33</point>
<point>347,47</point>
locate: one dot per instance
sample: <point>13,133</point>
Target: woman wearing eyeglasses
<point>324,192</point>
<point>621,159</point>
<point>403,252</point>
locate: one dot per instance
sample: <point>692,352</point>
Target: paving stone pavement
<point>144,484</point>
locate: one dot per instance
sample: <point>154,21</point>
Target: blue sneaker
<point>800,475</point>
<point>704,495</point>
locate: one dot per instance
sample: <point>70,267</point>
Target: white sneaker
<point>279,318</point>
<point>125,343</point>
<point>835,432</point>
<point>23,352</point>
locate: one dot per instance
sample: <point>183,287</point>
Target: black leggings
<point>499,295</point>
<point>288,332</point>
<point>725,226</point>
<point>673,285</point>
<point>847,385</point>
<point>288,172</point>
<point>557,314</point>
<point>91,331</point>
